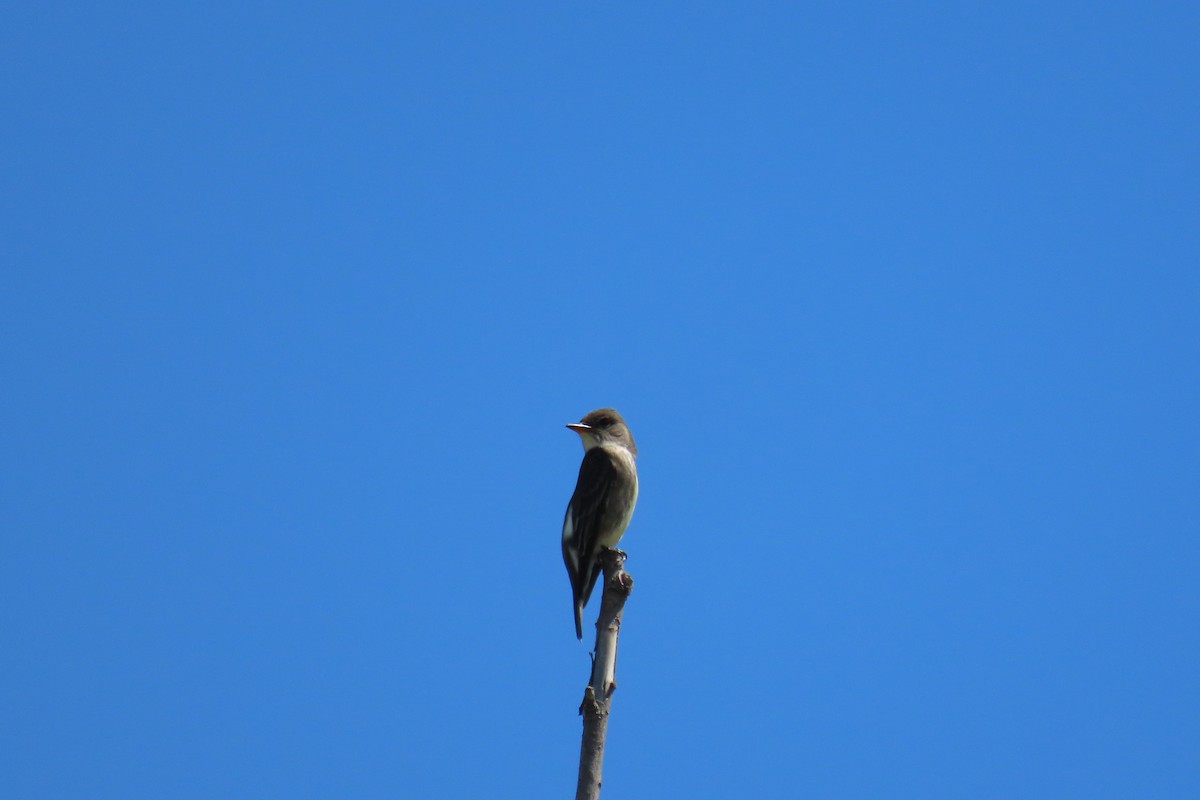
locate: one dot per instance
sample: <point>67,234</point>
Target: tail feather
<point>593,572</point>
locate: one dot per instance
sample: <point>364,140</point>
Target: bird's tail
<point>593,574</point>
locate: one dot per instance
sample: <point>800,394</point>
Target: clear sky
<point>900,301</point>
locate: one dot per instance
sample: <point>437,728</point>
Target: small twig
<point>597,697</point>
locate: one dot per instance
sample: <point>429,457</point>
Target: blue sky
<point>900,301</point>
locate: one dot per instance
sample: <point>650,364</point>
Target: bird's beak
<point>579,427</point>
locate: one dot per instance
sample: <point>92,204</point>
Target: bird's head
<point>604,426</point>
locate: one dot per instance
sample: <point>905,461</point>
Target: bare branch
<point>597,697</point>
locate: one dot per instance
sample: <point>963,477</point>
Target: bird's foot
<point>619,555</point>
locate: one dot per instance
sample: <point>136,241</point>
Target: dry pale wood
<point>597,697</point>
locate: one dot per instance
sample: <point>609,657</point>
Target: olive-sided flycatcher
<point>605,495</point>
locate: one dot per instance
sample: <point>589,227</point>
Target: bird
<point>602,505</point>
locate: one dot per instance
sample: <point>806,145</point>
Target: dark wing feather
<point>588,512</point>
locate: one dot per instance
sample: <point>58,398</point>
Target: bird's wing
<point>585,514</point>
